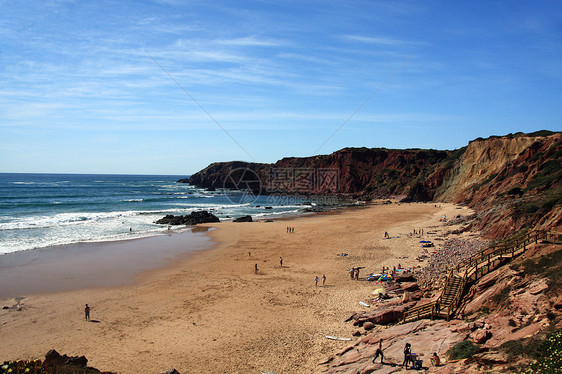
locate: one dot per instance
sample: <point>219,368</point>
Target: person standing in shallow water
<point>87,312</point>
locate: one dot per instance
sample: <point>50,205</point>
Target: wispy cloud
<point>380,40</point>
<point>250,41</point>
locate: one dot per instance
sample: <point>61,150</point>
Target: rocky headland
<point>513,182</point>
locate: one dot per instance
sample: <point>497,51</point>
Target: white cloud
<point>380,40</point>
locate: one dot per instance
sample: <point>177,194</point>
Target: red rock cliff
<point>513,182</point>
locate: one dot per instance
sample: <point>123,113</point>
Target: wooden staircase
<point>474,268</point>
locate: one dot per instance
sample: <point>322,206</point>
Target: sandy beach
<point>210,313</point>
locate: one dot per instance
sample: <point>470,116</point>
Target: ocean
<point>44,210</point>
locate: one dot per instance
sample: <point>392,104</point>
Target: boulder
<point>81,361</point>
<point>480,336</point>
<point>368,326</point>
<point>538,287</point>
<point>243,219</point>
<point>191,219</point>
<point>169,371</point>
<point>52,358</point>
<point>405,278</point>
<point>384,315</point>
<point>56,363</point>
<point>410,286</point>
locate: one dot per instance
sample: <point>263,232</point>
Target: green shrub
<point>549,359</point>
<point>521,168</point>
<point>513,348</point>
<point>464,349</point>
<point>515,191</point>
<point>522,209</point>
<point>549,172</point>
<point>551,202</point>
<point>22,366</point>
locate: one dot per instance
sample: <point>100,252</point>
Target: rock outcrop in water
<point>193,218</point>
<point>243,219</point>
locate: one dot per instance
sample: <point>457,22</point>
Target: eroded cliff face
<point>513,182</point>
<point>359,172</point>
<point>366,172</point>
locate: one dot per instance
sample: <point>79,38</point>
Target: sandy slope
<point>211,314</point>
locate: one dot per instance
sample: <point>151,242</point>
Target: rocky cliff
<point>506,315</point>
<point>513,182</point>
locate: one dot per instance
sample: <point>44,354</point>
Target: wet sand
<point>86,265</point>
<point>210,313</point>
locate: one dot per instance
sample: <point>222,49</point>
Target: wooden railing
<point>472,269</point>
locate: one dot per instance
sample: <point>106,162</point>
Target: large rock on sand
<point>243,219</point>
<point>55,363</point>
<point>191,219</point>
<point>383,315</point>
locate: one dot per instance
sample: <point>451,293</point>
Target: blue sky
<point>94,87</point>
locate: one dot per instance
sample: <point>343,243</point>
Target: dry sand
<point>210,313</point>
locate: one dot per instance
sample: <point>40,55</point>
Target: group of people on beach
<point>316,279</point>
<point>409,357</point>
<point>418,232</point>
<point>354,273</point>
<point>290,229</point>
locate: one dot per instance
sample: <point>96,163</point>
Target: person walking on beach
<point>379,353</point>
<point>386,235</point>
<point>87,312</point>
<point>281,261</point>
<point>255,268</point>
<point>323,279</point>
<point>316,281</point>
<point>352,273</point>
<point>357,273</point>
